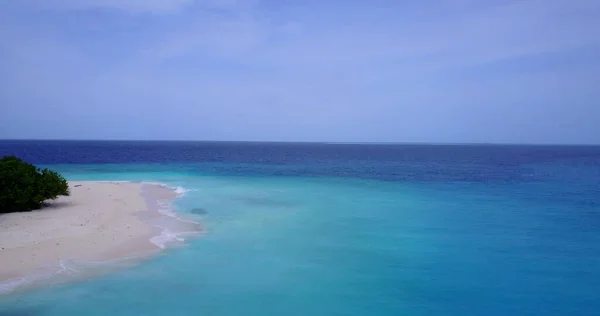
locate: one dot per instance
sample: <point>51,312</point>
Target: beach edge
<point>147,210</point>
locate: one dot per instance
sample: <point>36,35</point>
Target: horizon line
<point>304,142</point>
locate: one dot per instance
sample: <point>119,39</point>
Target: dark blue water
<point>475,163</point>
<point>346,229</point>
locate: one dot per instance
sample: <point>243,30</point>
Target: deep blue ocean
<point>347,229</point>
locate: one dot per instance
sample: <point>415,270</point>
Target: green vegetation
<point>24,187</point>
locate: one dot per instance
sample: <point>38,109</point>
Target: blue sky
<point>514,71</point>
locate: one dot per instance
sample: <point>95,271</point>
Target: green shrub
<point>24,187</point>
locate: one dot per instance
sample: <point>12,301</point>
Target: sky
<point>458,71</point>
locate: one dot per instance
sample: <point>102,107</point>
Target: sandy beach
<point>98,222</point>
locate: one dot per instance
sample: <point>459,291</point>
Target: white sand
<point>98,222</point>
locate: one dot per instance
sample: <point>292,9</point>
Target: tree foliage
<point>24,187</point>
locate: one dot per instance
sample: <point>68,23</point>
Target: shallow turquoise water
<point>299,246</point>
<point>342,245</point>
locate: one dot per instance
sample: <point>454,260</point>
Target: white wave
<point>66,266</point>
<point>103,181</point>
<point>181,191</point>
<point>168,212</point>
<point>13,284</point>
<point>165,238</point>
<point>164,185</point>
<point>46,273</point>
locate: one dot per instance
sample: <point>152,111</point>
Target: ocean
<point>346,229</point>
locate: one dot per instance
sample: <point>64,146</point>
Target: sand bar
<point>98,222</point>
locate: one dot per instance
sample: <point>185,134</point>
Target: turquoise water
<point>348,245</point>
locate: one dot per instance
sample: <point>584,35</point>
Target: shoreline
<point>102,226</point>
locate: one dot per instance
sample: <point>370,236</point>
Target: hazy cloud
<point>130,6</point>
<point>506,71</point>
